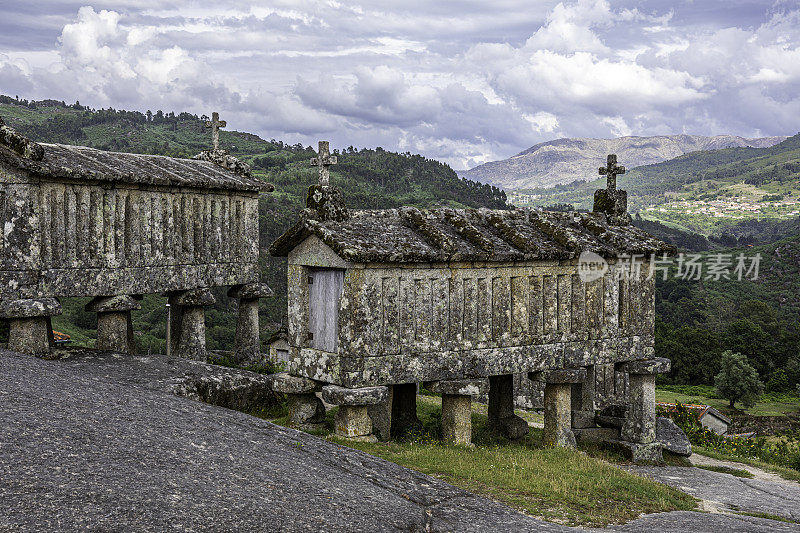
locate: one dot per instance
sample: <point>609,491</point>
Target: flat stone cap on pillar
<point>251,291</point>
<point>336,395</point>
<point>657,365</point>
<point>31,308</point>
<point>288,384</point>
<point>563,376</point>
<point>194,298</point>
<point>112,304</point>
<point>458,387</point>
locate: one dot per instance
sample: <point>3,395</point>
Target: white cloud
<point>461,81</point>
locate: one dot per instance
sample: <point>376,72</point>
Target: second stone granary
<point>400,296</point>
<point>115,226</point>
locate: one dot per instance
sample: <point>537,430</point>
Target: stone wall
<point>70,239</point>
<point>461,320</point>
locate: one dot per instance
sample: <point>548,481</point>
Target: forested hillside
<point>699,319</point>
<point>368,178</point>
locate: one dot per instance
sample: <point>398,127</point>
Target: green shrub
<point>737,381</point>
<point>784,452</point>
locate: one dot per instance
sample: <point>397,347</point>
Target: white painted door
<point>325,291</point>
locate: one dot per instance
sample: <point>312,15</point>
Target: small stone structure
<point>399,296</point>
<point>115,226</point>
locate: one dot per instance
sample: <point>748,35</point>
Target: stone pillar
<point>404,409</point>
<point>352,419</point>
<point>247,344</point>
<point>501,408</point>
<point>457,408</point>
<point>639,426</point>
<point>114,325</point>
<point>305,408</point>
<point>29,324</point>
<point>558,405</point>
<point>188,325</point>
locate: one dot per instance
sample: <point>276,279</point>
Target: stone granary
<point>380,300</point>
<point>115,226</point>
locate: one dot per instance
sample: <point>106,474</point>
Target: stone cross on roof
<point>611,170</point>
<point>215,124</point>
<point>323,160</point>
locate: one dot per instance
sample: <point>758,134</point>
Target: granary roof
<point>442,234</point>
<point>208,170</point>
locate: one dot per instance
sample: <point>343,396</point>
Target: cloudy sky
<point>461,81</point>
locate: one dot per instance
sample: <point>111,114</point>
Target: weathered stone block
<point>557,416</point>
<point>564,375</point>
<point>337,395</point>
<point>29,308</point>
<point>671,437</point>
<point>29,336</point>
<point>457,419</point>
<point>305,411</point>
<point>353,421</point>
<point>583,419</point>
<point>649,453</point>
<point>193,298</point>
<point>640,418</point>
<point>461,387</point>
<point>288,384</point>
<point>113,304</point>
<point>654,366</point>
<point>250,291</point>
<point>29,324</point>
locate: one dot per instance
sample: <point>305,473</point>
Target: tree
<point>737,381</point>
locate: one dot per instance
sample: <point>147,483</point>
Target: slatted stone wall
<point>436,309</point>
<point>85,240</point>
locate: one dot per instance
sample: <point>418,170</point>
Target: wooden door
<point>325,292</point>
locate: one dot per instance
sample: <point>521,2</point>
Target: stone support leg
<point>306,410</point>
<point>247,343</point>
<point>557,419</point>
<point>457,407</point>
<point>114,325</point>
<point>404,409</point>
<point>352,419</point>
<point>353,422</point>
<point>188,324</point>
<point>457,419</point>
<point>29,324</point>
<point>501,408</point>
<point>638,431</point>
<point>640,419</point>
<point>558,404</point>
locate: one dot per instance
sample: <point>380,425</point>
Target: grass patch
<point>564,486</point>
<point>785,473</point>
<point>738,472</point>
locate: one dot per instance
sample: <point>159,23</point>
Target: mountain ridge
<point>570,159</point>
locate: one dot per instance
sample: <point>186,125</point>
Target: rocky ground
<point>113,443</point>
